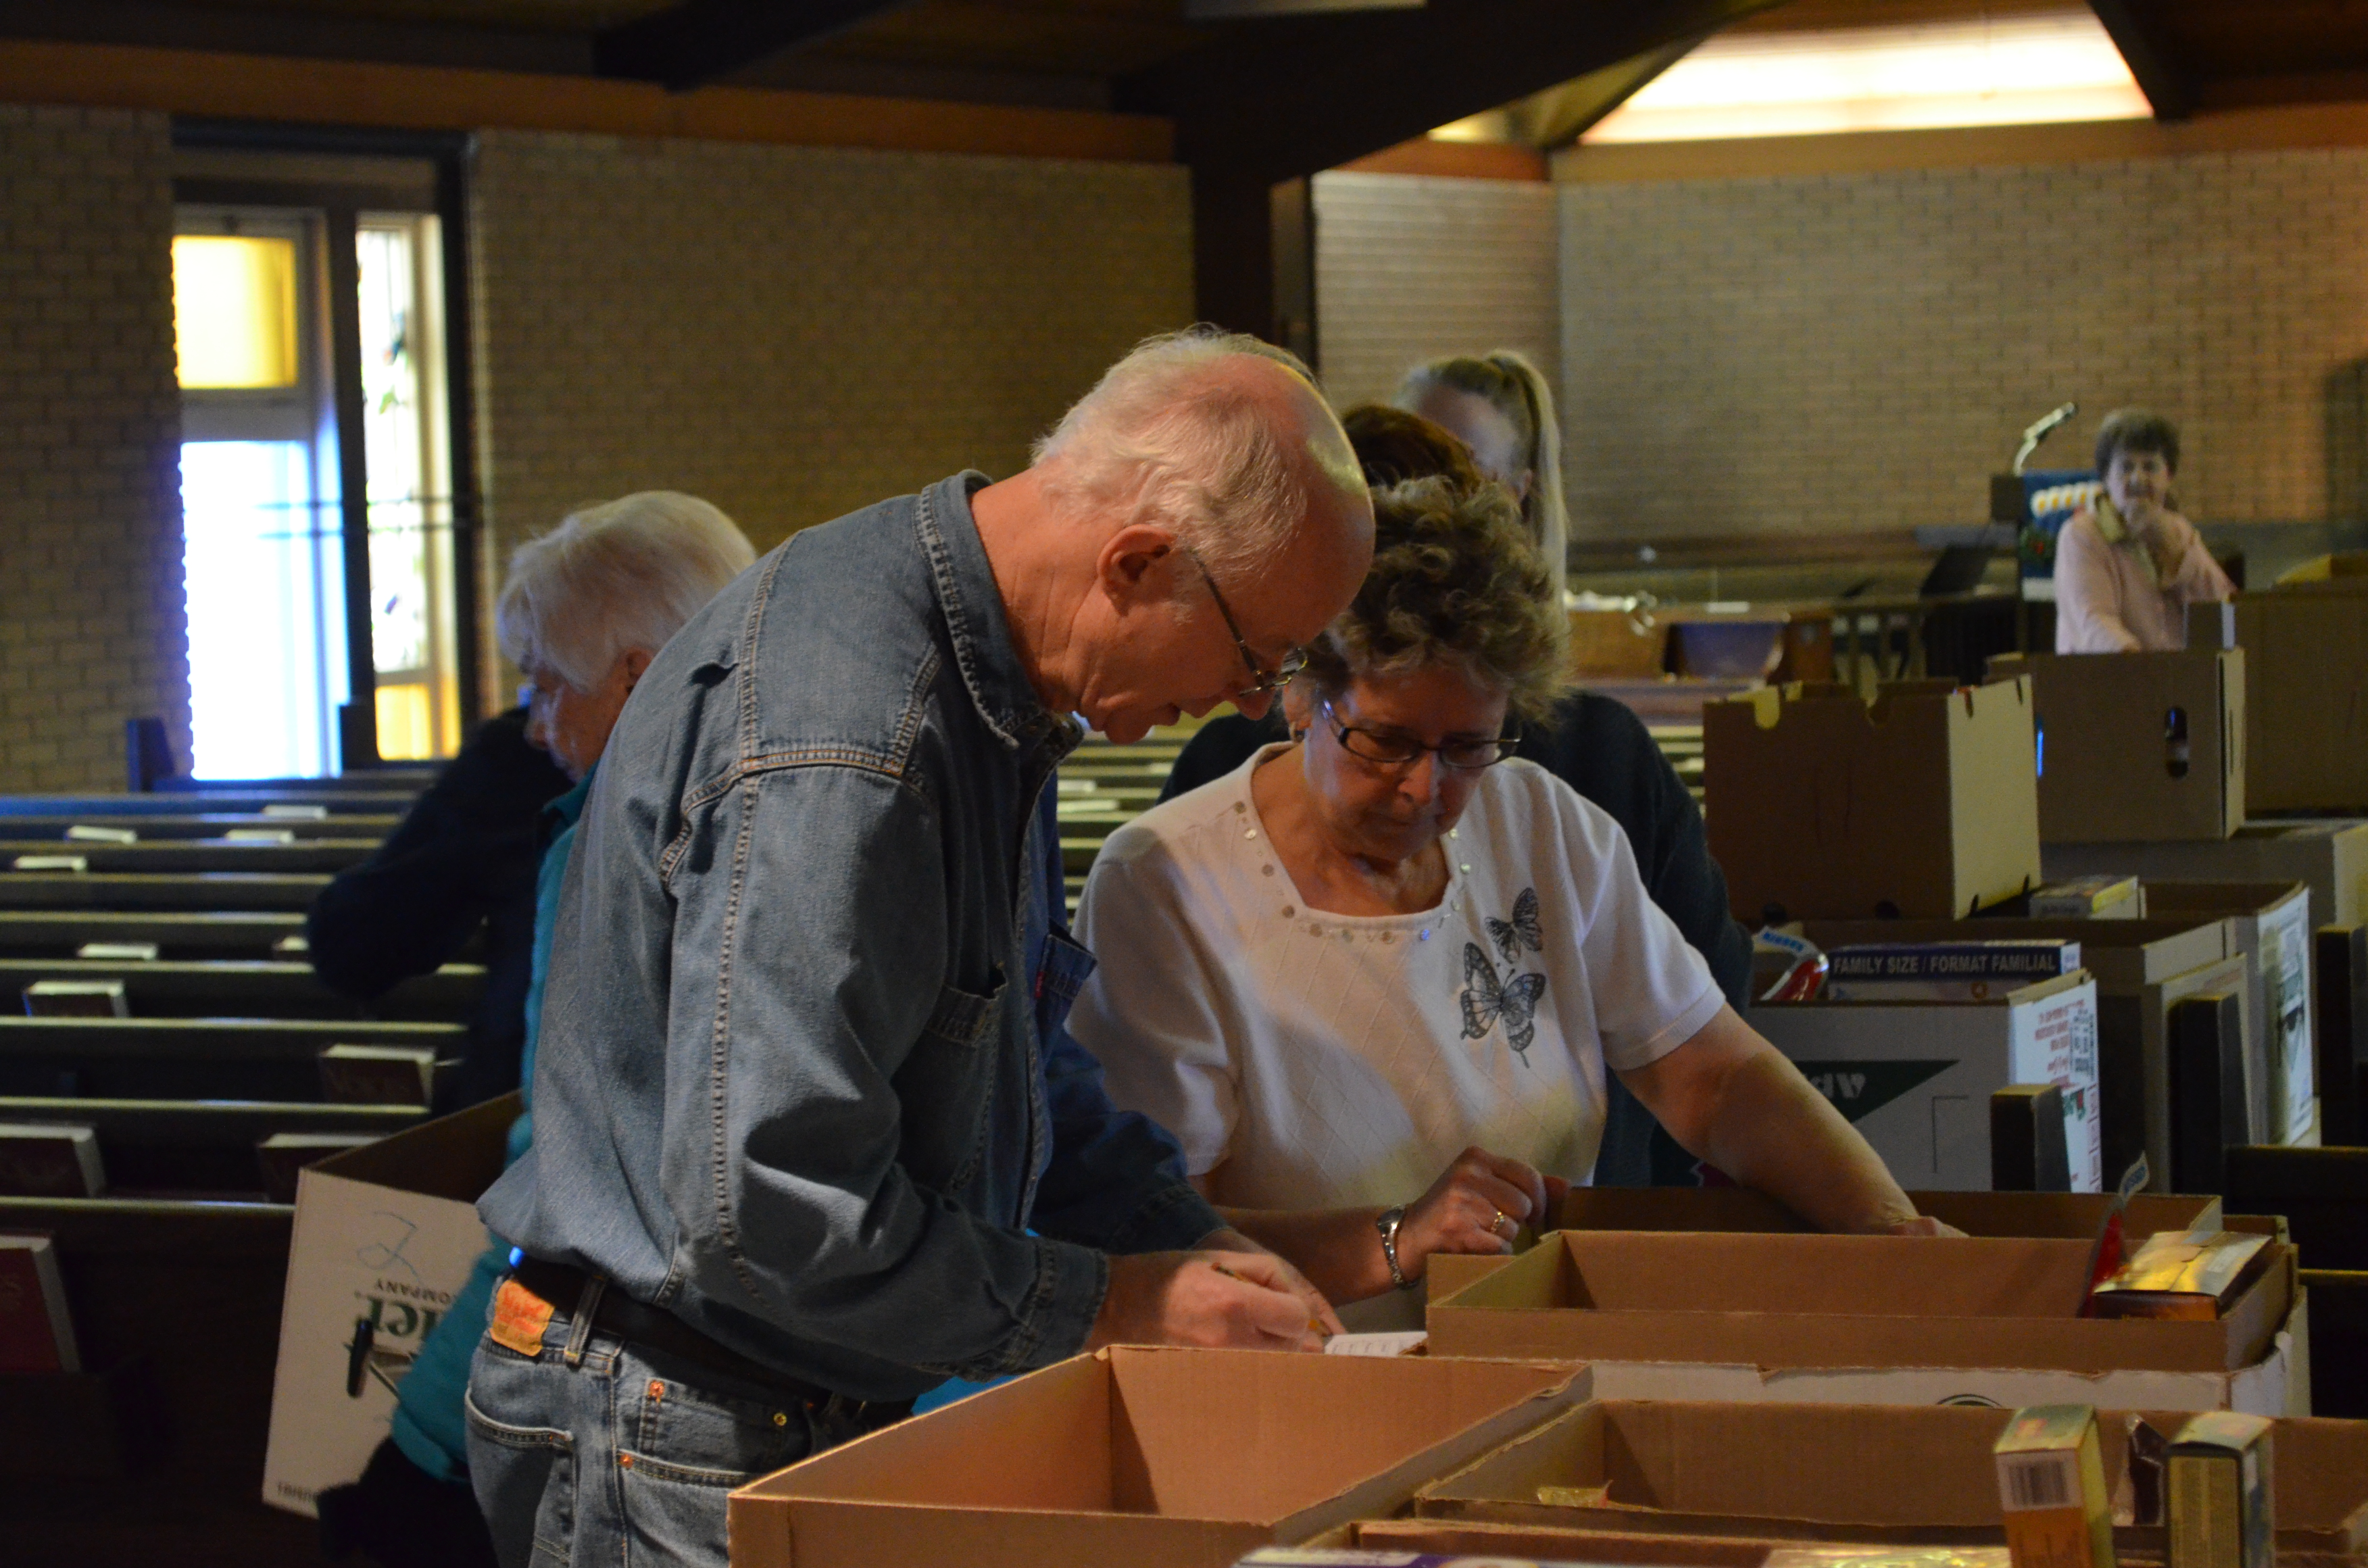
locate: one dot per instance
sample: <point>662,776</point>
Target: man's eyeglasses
<point>1263,682</point>
<point>1405,751</point>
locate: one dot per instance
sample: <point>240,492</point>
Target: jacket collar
<point>964,583</point>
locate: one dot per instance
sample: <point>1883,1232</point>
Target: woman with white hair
<point>587,606</point>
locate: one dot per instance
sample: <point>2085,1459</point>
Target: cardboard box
<point>2329,857</point>
<point>2141,967</point>
<point>1738,1208</point>
<point>384,1236</point>
<point>1151,1457</point>
<point>1916,1077</point>
<point>1926,805</point>
<point>2137,745</point>
<point>1731,1311</point>
<point>2270,926</point>
<point>2306,691</point>
<point>1777,1474</point>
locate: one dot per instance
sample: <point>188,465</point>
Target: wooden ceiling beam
<point>308,34</point>
<point>701,41</point>
<point>2165,79</point>
<point>1294,96</point>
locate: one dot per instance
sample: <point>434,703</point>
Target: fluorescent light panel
<point>2019,69</point>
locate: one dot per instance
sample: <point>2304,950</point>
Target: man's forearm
<point>1772,1131</point>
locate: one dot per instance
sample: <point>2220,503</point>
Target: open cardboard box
<point>1916,1077</point>
<point>2060,1214</point>
<point>2330,855</point>
<point>1924,805</point>
<point>1778,1473</point>
<point>2270,926</point>
<point>2141,967</point>
<point>1883,1319</point>
<point>1152,1458</point>
<point>2139,746</point>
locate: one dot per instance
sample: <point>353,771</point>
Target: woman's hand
<point>1475,1206</point>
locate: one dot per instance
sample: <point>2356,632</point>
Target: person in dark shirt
<point>1596,745</point>
<point>461,860</point>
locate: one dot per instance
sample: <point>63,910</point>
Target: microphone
<point>2040,429</point>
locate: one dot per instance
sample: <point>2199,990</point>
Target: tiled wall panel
<point>90,565</point>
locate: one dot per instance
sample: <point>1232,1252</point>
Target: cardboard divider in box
<point>1916,1077</point>
<point>2141,968</point>
<point>1777,1474</point>
<point>1880,1319</point>
<point>1153,1458</point>
<point>1924,805</point>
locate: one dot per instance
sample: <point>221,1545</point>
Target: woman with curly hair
<point>1388,948</point>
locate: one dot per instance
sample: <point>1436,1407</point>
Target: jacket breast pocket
<point>945,1090</point>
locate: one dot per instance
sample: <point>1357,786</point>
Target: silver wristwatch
<point>1387,1221</point>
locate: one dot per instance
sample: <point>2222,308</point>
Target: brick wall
<point>1843,352</point>
<point>793,333</point>
<point>91,512</point>
<point>1411,266</point>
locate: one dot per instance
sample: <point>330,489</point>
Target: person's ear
<point>1136,565</point>
<point>1522,490</point>
<point>636,661</point>
<point>1299,705</point>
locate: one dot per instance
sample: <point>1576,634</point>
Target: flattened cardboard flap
<point>456,1156</point>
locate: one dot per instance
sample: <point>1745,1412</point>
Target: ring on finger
<point>1496,1225</point>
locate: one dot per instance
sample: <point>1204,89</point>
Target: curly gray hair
<point>1456,580</point>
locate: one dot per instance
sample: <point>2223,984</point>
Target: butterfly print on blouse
<point>1485,999</point>
<point>1520,931</point>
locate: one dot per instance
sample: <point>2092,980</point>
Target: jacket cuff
<point>1070,1281</point>
<point>1172,1219</point>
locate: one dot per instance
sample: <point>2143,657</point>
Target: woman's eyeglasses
<point>1403,751</point>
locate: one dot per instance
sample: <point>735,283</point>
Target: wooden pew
<point>153,1146</point>
<point>53,829</point>
<point>210,891</point>
<point>176,1305</point>
<point>191,1059</point>
<point>108,808</point>
<point>251,988</point>
<point>182,933</point>
<point>183,856</point>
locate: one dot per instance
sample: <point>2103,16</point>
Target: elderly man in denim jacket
<point>810,1134</point>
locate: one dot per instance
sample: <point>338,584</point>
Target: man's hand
<point>1248,1299</point>
<point>1477,1206</point>
<point>1318,1307</point>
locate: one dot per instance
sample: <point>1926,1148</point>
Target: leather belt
<point>564,1286</point>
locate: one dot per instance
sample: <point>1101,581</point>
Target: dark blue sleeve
<point>1116,1181</point>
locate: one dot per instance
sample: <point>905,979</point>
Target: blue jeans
<point>620,1457</point>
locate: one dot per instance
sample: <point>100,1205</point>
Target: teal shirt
<point>428,1425</point>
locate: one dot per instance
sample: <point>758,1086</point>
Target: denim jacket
<point>804,1078</point>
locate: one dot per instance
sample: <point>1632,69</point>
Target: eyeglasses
<point>1403,751</point>
<point>1262,683</point>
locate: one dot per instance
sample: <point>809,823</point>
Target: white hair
<point>619,575</point>
<point>1167,438</point>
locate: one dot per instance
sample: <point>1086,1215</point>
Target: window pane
<point>266,601</point>
<point>235,311</point>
